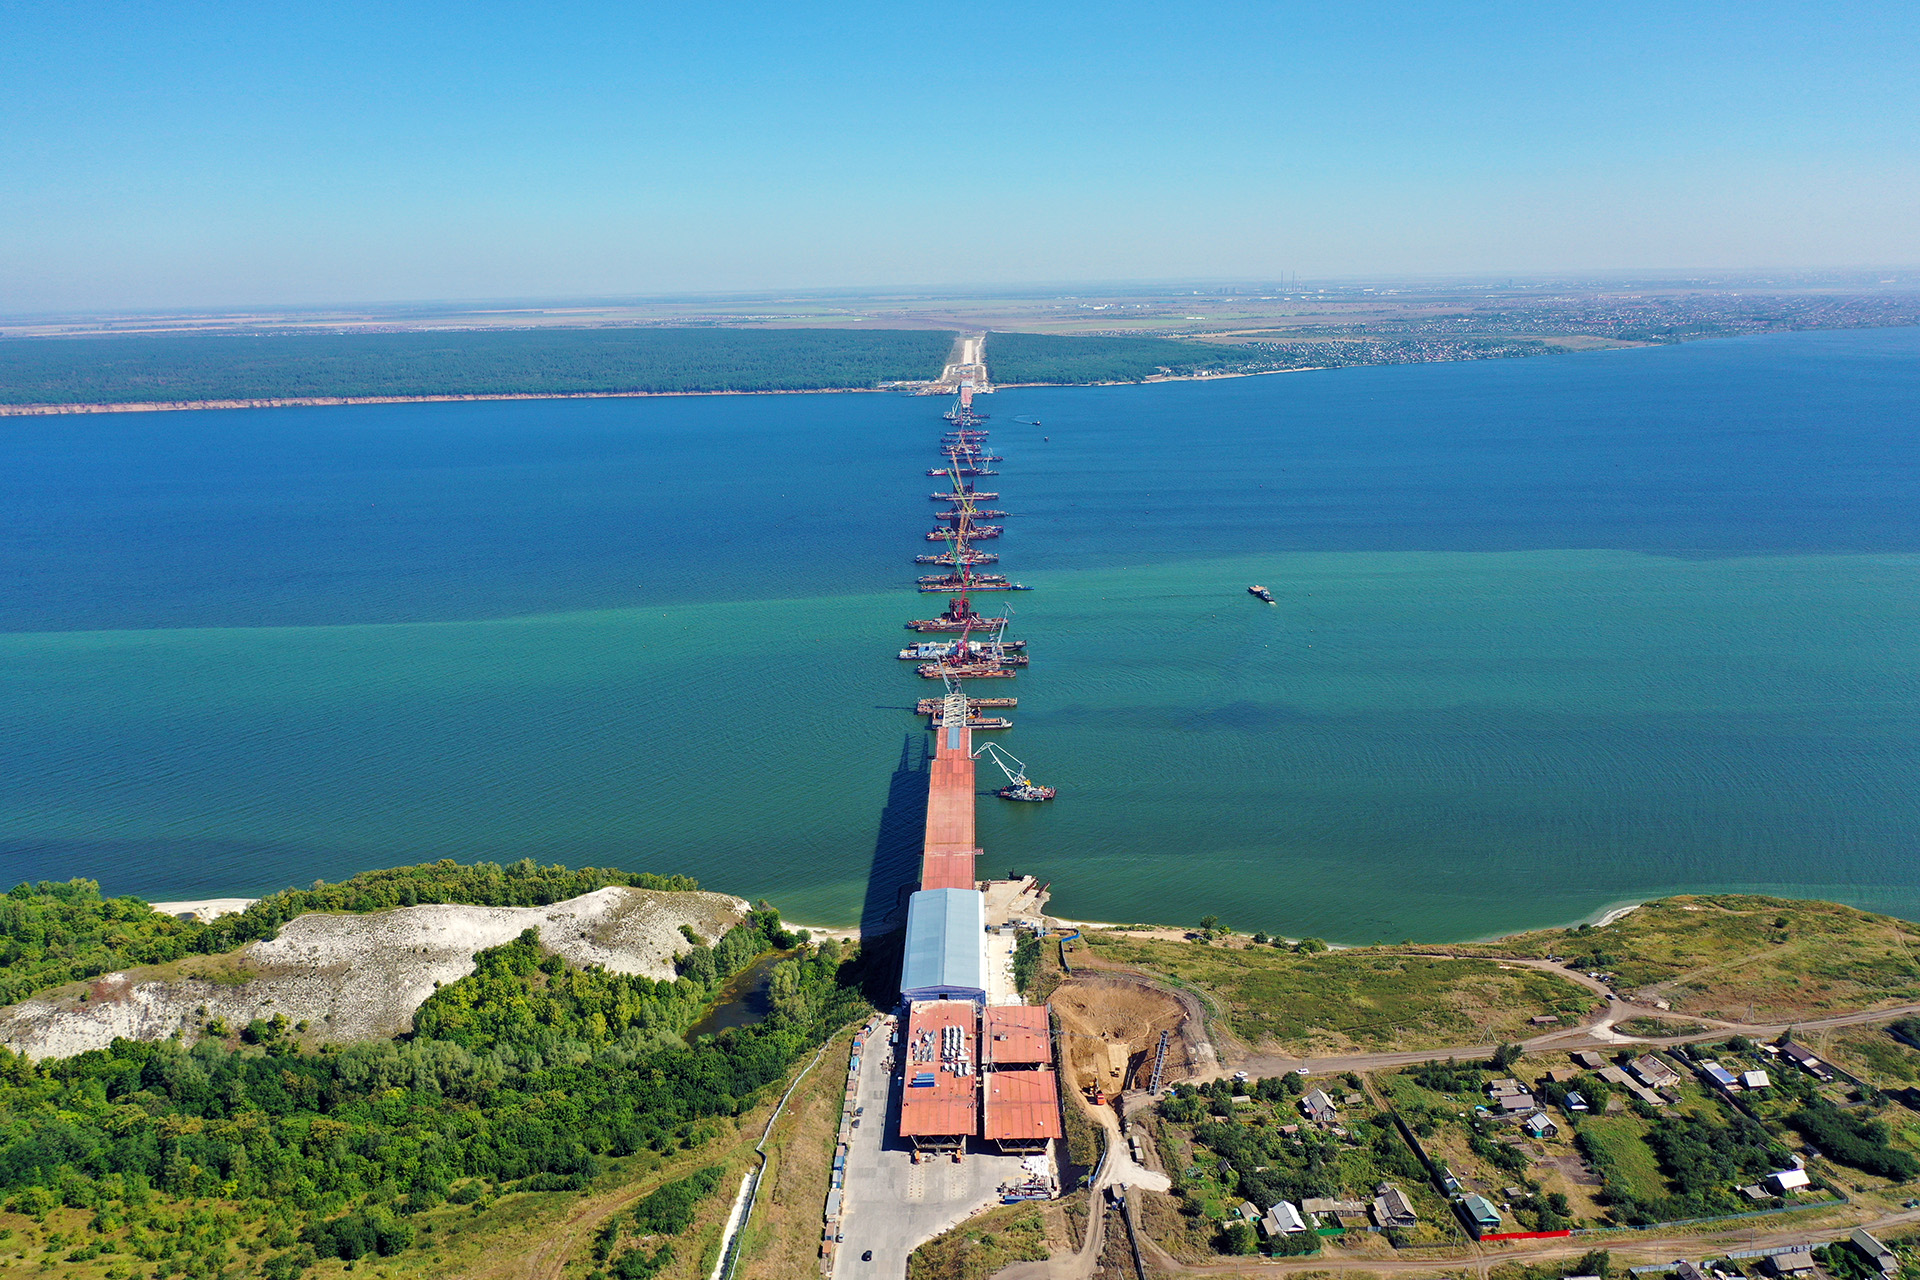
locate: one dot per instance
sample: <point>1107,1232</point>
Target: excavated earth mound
<point>360,977</point>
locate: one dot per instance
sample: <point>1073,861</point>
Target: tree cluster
<point>527,1075</point>
<point>1853,1141</point>
<point>1062,358</point>
<point>160,367</point>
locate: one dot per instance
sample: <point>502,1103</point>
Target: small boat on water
<point>1261,592</point>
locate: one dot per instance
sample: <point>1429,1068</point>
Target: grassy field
<point>1633,1167</point>
<point>1347,1000</point>
<point>981,1246</point>
<point>1870,1053</point>
<point>1746,958</point>
<point>783,1240</point>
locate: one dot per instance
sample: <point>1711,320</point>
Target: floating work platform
<point>949,557</point>
<point>978,531</point>
<point>969,513</point>
<point>957,584</point>
<point>973,722</point>
<point>966,671</point>
<point>960,583</point>
<point>951,494</point>
<point>963,471</point>
<point>932,706</point>
<point>921,650</point>
<point>958,617</point>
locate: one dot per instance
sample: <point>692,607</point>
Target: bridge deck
<point>947,862</point>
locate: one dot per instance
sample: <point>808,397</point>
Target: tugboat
<point>1019,785</point>
<point>1261,592</point>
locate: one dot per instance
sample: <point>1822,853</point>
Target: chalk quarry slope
<point>360,977</point>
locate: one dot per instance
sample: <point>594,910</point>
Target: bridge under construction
<point>969,1070</point>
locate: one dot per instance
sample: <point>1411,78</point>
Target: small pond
<point>745,1000</point>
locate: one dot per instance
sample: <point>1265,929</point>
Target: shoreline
<point>296,402</point>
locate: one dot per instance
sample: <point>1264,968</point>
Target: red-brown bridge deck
<point>947,862</point>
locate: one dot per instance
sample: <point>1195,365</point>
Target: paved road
<point>893,1205</point>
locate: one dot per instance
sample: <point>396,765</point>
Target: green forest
<point>1059,358</point>
<point>54,932</point>
<point>135,369</point>
<point>528,1075</point>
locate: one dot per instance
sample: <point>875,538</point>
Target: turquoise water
<point>1552,635</point>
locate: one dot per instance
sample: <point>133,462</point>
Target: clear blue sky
<point>169,154</point>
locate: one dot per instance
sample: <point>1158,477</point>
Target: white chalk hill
<point>359,977</point>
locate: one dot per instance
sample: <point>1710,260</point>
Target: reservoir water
<point>1551,635</point>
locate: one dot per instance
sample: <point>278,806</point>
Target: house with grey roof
<point>1391,1208</point>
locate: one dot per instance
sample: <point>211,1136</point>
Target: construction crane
<point>1019,785</point>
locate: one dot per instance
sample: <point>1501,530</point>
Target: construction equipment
<point>1019,785</point>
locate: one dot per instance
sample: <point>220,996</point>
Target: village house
<point>1806,1060</point>
<point>1756,1080</point>
<point>1319,1107</point>
<point>1591,1061</point>
<point>1318,1206</point>
<point>1796,1263</point>
<point>1283,1220</point>
<point>1884,1259</point>
<point>1788,1181</point>
<point>1652,1072</point>
<point>1480,1213</point>
<point>1541,1125</point>
<point>1391,1208</point>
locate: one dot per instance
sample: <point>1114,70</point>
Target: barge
<point>978,531</point>
<point>958,617</point>
<point>933,706</point>
<point>957,584</point>
<point>965,671</point>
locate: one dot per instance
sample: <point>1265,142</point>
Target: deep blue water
<point>1553,634</point>
<point>319,516</point>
